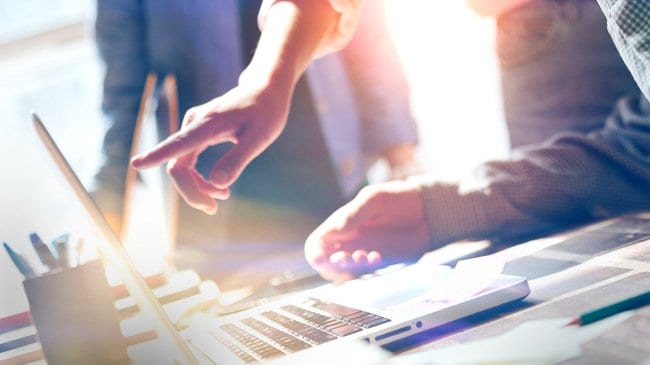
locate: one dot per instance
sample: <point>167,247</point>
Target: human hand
<point>383,225</point>
<point>250,116</point>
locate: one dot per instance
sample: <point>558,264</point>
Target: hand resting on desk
<point>384,224</point>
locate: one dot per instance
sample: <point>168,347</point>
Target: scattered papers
<point>536,342</point>
<point>358,353</point>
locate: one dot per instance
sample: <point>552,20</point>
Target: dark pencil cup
<point>75,316</point>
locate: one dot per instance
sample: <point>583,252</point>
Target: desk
<point>568,274</point>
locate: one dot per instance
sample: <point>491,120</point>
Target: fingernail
<point>220,177</point>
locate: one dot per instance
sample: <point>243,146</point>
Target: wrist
<point>276,80</point>
<point>292,32</point>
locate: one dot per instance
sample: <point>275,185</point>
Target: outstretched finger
<point>195,138</point>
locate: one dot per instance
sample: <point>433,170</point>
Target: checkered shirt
<point>628,22</point>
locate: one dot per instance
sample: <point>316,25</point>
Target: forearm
<point>568,180</point>
<point>494,8</point>
<point>292,33</point>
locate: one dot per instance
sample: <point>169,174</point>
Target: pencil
<point>612,309</point>
<point>131,172</point>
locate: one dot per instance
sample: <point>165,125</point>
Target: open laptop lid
<point>112,251</point>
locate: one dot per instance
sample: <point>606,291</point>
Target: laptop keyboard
<point>288,342</point>
<point>262,349</point>
<point>236,350</point>
<point>273,334</point>
<point>311,334</point>
<point>329,324</point>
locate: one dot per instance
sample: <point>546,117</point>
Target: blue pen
<point>44,253</point>
<point>21,264</point>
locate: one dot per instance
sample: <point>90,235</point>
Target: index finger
<point>181,143</point>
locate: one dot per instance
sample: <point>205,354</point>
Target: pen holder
<point>75,316</point>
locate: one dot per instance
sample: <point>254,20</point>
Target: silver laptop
<point>392,304</point>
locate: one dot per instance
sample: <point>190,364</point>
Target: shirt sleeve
<point>340,36</point>
<point>568,180</point>
<point>628,24</point>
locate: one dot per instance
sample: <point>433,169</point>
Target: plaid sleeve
<point>632,17</point>
<point>628,22</point>
<point>564,181</point>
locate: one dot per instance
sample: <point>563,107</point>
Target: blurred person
<point>581,132</point>
<point>349,110</point>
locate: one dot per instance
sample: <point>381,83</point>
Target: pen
<point>19,261</point>
<point>44,253</point>
<point>612,309</point>
<point>61,247</point>
<point>79,252</point>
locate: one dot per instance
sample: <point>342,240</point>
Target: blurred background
<point>48,63</point>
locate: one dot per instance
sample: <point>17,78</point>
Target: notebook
<point>391,304</point>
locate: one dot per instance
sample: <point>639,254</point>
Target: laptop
<point>391,304</point>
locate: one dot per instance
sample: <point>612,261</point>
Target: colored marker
<point>19,261</point>
<point>44,253</point>
<point>80,251</point>
<point>62,247</point>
